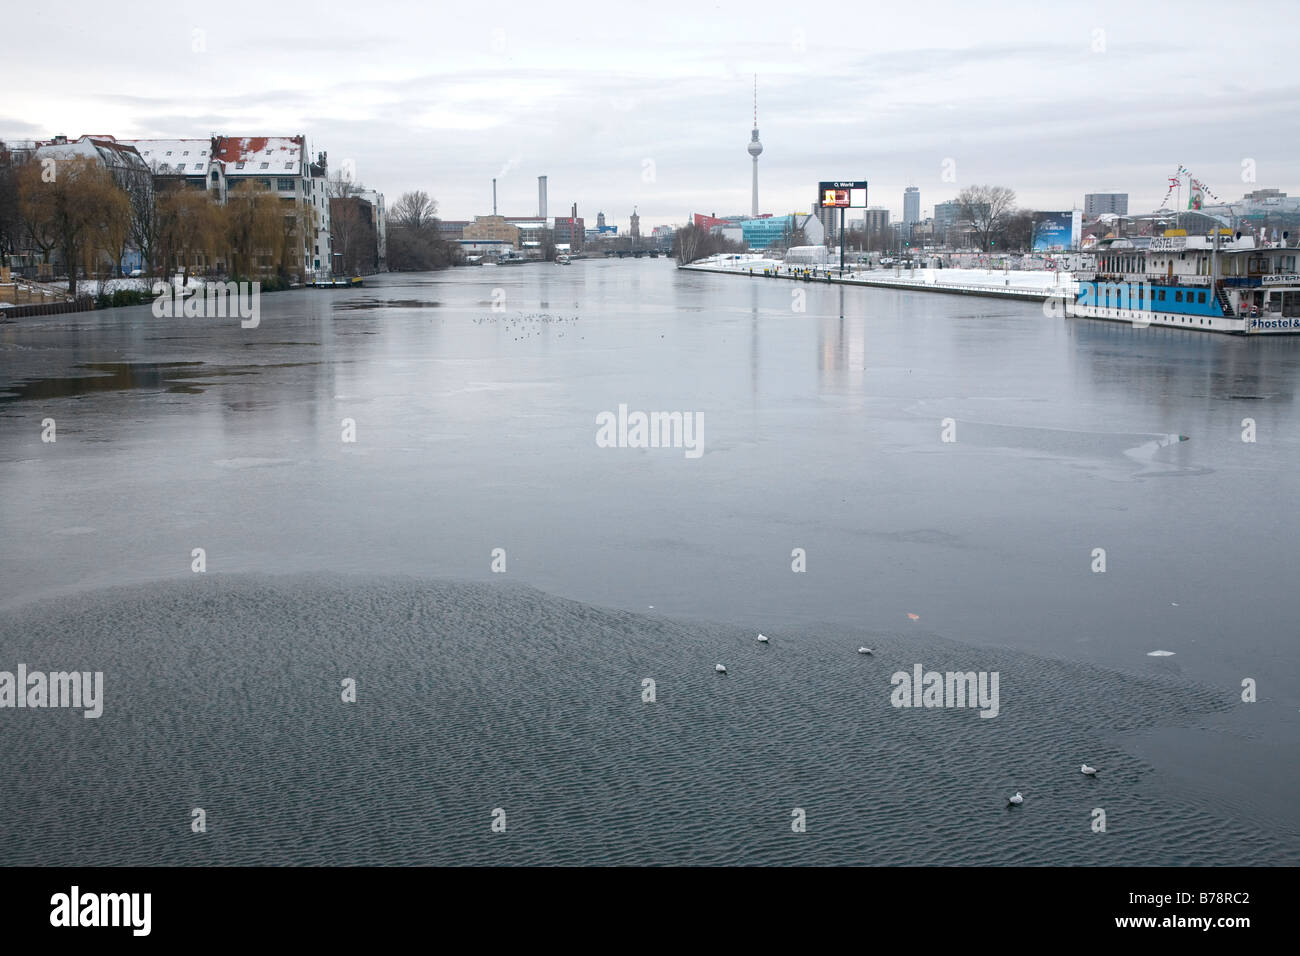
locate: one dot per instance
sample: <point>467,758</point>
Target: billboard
<point>1056,231</point>
<point>843,194</point>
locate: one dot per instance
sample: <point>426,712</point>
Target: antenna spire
<point>755,101</point>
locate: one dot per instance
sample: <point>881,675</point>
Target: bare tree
<point>1018,230</point>
<point>415,210</point>
<point>257,231</point>
<point>693,243</point>
<point>64,203</point>
<point>342,186</point>
<point>190,224</point>
<point>985,208</point>
<point>37,223</point>
<point>415,242</point>
<point>113,231</point>
<point>141,194</point>
<point>11,221</point>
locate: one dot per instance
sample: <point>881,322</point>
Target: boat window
<point>1200,297</point>
<point>1162,295</point>
<point>1291,304</point>
<point>1178,297</point>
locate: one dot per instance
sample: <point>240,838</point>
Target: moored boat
<point>1217,283</point>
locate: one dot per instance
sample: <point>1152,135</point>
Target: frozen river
<point>473,397</point>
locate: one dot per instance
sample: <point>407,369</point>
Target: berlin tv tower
<point>755,147</point>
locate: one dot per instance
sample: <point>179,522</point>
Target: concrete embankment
<point>928,283</point>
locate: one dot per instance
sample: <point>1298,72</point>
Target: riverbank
<point>998,283</point>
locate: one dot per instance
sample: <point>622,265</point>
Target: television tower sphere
<point>754,147</point>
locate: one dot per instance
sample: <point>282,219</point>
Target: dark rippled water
<point>223,692</point>
<point>475,430</point>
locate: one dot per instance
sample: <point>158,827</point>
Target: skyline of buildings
<point>284,166</point>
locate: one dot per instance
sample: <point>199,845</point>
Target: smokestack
<point>541,197</point>
<point>494,196</point>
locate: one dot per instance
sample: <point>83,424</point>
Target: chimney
<point>494,197</point>
<point>541,197</point>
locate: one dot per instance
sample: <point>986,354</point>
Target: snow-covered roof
<point>174,155</point>
<point>103,149</point>
<point>260,155</point>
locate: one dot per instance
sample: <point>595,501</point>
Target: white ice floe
<point>762,638</point>
<point>1160,653</point>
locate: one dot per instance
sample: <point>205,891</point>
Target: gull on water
<point>719,668</point>
<point>1090,771</point>
<point>864,650</point>
<point>1016,800</point>
<point>762,638</point>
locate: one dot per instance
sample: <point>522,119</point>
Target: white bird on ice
<point>864,650</point>
<point>1090,771</point>
<point>719,668</point>
<point>1017,800</point>
<point>762,638</point>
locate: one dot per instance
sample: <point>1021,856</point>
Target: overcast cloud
<point>651,104</point>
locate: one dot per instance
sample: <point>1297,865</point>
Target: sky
<point>650,106</point>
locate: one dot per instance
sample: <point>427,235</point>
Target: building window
<point>265,166</point>
<point>239,165</point>
<point>284,184</point>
